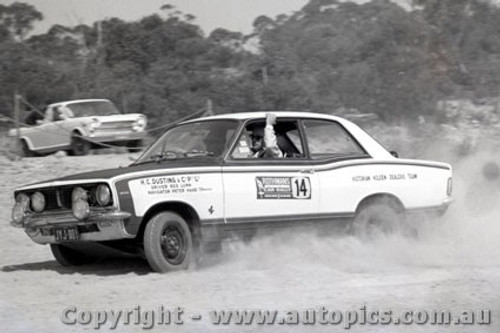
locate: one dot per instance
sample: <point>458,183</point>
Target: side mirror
<point>394,153</point>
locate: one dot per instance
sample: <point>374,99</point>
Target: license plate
<point>66,234</point>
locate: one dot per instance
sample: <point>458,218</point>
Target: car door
<point>270,189</point>
<point>51,133</point>
<point>340,167</point>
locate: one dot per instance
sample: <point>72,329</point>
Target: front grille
<point>51,200</point>
<point>116,126</point>
<point>59,198</point>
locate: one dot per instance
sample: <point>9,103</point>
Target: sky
<point>235,15</point>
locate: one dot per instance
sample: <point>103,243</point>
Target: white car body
<point>220,195</point>
<point>56,130</point>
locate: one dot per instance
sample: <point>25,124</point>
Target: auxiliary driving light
<point>38,202</point>
<point>18,213</point>
<point>78,193</point>
<point>81,209</point>
<point>103,195</point>
<point>94,125</point>
<point>20,208</point>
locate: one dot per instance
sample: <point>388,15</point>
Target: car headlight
<point>38,202</point>
<point>78,193</point>
<point>139,124</point>
<point>81,209</point>
<point>20,208</point>
<point>95,124</point>
<point>103,195</point>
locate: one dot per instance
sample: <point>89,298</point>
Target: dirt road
<point>453,265</point>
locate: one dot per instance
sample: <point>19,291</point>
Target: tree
<point>18,19</point>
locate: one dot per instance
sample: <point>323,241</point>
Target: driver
<point>264,142</point>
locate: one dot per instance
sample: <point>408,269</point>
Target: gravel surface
<point>454,265</point>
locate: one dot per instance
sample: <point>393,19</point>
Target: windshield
<point>94,108</point>
<point>203,138</point>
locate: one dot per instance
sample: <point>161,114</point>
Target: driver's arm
<point>270,141</point>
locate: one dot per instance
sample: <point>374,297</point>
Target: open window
<point>288,140</point>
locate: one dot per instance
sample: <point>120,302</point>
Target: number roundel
<point>301,187</point>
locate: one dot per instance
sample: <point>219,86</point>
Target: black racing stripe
<point>311,166</point>
<point>168,174</point>
<point>388,163</point>
<point>163,165</point>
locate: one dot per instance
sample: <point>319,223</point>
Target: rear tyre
<point>377,217</point>
<point>79,146</point>
<point>67,256</point>
<point>168,244</point>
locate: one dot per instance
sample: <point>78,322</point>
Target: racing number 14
<point>301,188</point>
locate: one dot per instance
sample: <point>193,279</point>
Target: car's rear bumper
<point>433,211</point>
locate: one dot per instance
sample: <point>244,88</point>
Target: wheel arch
<point>398,204</point>
<point>78,130</point>
<point>28,142</point>
<point>186,211</point>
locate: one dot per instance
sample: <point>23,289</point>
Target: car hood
<point>113,118</point>
<point>108,174</point>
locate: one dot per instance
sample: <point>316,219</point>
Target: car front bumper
<point>100,226</point>
<point>114,136</point>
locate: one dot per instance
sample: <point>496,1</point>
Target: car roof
<point>80,101</point>
<point>279,114</point>
<point>372,147</point>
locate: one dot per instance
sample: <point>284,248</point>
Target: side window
<point>328,139</point>
<point>287,142</point>
<point>242,149</point>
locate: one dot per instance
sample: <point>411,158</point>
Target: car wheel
<point>377,217</point>
<point>134,146</point>
<point>79,146</point>
<point>25,150</point>
<point>67,256</point>
<point>168,243</point>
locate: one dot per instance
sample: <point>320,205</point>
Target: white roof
<point>370,145</point>
<point>80,101</point>
<point>262,114</point>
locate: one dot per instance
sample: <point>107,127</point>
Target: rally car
<point>201,182</point>
<point>76,126</point>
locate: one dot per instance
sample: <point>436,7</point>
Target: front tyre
<point>67,256</point>
<point>135,146</point>
<point>79,146</point>
<point>168,244</point>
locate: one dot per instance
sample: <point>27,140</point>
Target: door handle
<point>308,171</point>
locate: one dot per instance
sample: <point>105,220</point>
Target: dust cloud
<point>466,236</point>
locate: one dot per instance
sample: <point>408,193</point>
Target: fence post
<point>17,106</point>
<point>209,109</point>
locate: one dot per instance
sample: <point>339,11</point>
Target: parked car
<point>200,183</point>
<point>77,126</point>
